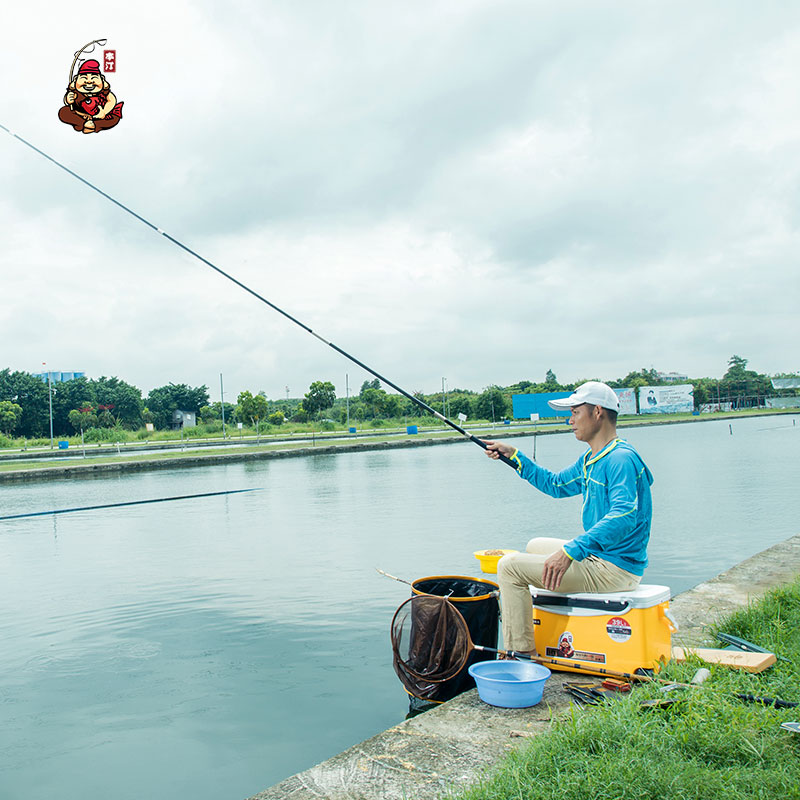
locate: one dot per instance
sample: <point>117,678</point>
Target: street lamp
<point>50,396</point>
<point>222,405</point>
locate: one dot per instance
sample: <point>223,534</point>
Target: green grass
<point>214,430</point>
<point>248,436</point>
<point>711,745</point>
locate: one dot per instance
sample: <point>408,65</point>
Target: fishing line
<point>255,294</point>
<point>128,503</point>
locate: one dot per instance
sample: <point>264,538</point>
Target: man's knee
<point>503,566</point>
<point>518,569</point>
<point>544,545</point>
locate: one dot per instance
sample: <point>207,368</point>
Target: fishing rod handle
<point>501,457</point>
<point>767,701</point>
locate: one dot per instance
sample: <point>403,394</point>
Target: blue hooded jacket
<point>617,508</point>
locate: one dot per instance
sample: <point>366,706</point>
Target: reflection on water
<point>215,646</point>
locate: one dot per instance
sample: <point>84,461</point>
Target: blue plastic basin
<point>510,684</point>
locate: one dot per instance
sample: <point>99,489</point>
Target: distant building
<point>58,377</point>
<point>672,377</point>
<point>183,419</point>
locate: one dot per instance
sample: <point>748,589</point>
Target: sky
<point>474,191</point>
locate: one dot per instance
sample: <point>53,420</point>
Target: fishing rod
<point>422,404</point>
<point>128,503</point>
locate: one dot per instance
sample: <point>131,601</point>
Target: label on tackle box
<point>618,629</point>
<point>565,649</point>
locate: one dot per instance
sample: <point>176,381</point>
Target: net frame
<point>431,641</point>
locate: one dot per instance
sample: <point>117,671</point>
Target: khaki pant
<point>516,571</point>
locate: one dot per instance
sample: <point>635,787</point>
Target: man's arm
<point>566,483</point>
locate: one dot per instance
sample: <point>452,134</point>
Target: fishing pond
<point>213,646</point>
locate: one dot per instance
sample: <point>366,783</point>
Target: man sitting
<point>611,554</point>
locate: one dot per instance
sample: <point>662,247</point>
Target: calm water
<point>215,646</point>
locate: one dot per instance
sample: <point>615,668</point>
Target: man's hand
<point>554,569</point>
<point>497,449</point>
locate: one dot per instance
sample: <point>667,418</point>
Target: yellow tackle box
<point>622,631</point>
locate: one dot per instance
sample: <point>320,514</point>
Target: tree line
<point>87,404</point>
<point>97,406</point>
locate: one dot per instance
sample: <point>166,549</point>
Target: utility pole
<point>50,395</point>
<point>222,405</point>
<point>347,401</point>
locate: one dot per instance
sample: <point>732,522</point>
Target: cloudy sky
<point>471,189</point>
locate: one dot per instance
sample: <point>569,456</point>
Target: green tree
<point>164,400</point>
<point>31,394</point>
<point>105,419</point>
<point>320,395</point>
<point>491,404</point>
<point>643,377</point>
<point>737,367</point>
<point>371,402</point>
<point>82,419</point>
<point>276,418</point>
<point>551,382</point>
<point>741,386</point>
<point>252,408</point>
<point>373,384</point>
<point>77,393</point>
<point>206,415</point>
<point>300,414</point>
<point>125,399</point>
<point>10,415</point>
<point>461,403</point>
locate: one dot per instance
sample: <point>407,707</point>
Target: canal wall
<point>77,469</point>
<point>453,744</point>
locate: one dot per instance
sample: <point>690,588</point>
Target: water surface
<point>216,646</point>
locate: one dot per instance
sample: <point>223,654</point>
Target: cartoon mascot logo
<point>89,104</point>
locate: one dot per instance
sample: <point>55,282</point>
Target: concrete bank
<point>451,745</point>
<point>77,470</point>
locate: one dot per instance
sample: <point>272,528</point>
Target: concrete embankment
<point>77,469</point>
<point>451,745</point>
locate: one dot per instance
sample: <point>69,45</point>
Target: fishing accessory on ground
<point>794,727</point>
<point>431,643</point>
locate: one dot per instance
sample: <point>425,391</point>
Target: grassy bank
<point>393,431</point>
<point>213,432</point>
<point>710,745</point>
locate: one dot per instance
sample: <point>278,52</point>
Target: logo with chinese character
<point>89,104</point>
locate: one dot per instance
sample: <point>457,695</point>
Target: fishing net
<point>430,641</point>
<point>432,634</point>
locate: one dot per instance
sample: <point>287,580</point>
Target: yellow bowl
<point>489,562</point>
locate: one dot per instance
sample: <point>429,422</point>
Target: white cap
<point>593,392</point>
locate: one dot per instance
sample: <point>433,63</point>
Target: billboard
<point>525,405</point>
<point>666,399</point>
<point>627,400</point>
<point>782,402</point>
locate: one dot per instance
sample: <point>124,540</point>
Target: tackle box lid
<point>643,596</point>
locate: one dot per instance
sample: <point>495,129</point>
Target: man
<point>611,554</point>
<point>89,104</point>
